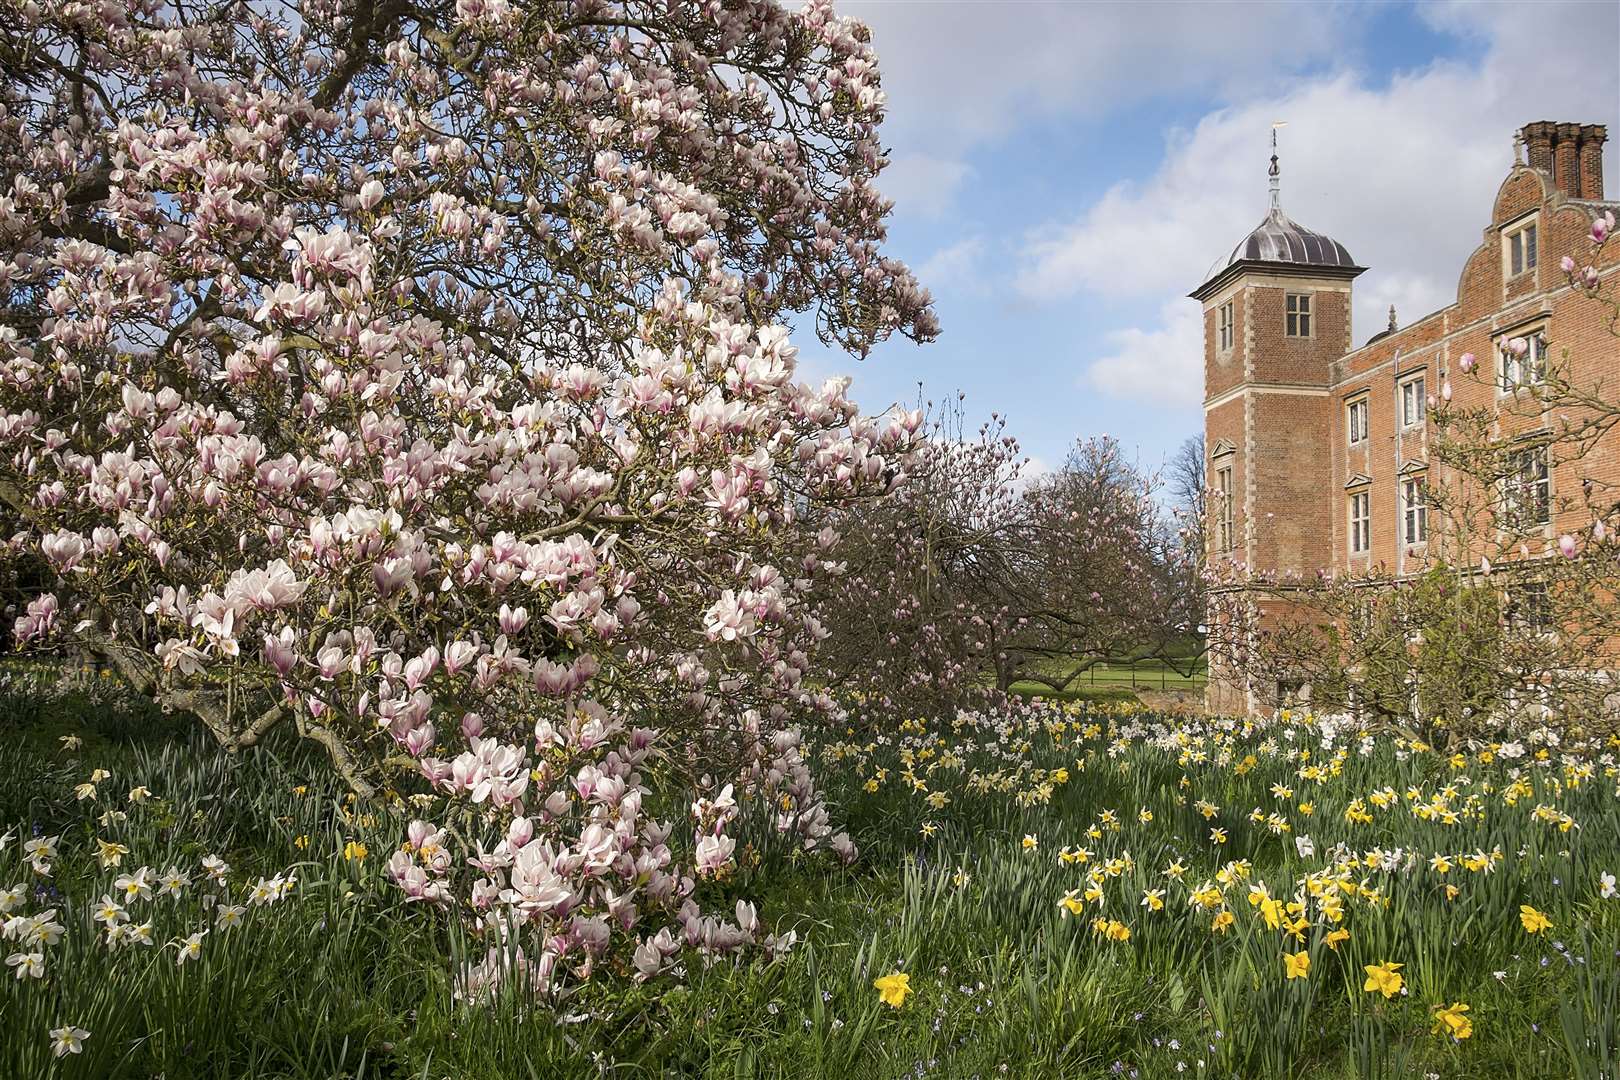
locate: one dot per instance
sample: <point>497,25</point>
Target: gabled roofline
<point>1267,268</point>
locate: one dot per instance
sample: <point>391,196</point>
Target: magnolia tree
<point>976,575</point>
<point>913,610</point>
<point>1511,622</point>
<point>1102,574</point>
<point>414,374</point>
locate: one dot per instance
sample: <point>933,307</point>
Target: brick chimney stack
<point>1572,154</point>
<point>1591,160</point>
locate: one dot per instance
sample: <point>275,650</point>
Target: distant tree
<point>1103,575</point>
<point>972,576</point>
<point>1186,480</point>
<point>1185,477</point>
<point>922,573</point>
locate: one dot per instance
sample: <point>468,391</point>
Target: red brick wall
<point>1292,458</point>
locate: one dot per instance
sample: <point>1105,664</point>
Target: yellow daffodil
<point>1383,978</point>
<point>1297,965</point>
<point>893,989</point>
<point>1534,921</point>
<point>1451,1021</point>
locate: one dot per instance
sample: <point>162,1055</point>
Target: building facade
<point>1318,447</point>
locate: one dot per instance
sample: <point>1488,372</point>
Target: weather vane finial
<point>1276,172</point>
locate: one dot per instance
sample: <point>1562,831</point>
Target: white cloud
<point>975,68</point>
<point>922,183</point>
<point>963,73</point>
<point>1402,174</point>
<point>1162,364</point>
<point>955,268</point>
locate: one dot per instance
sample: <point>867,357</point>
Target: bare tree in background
<point>1185,479</point>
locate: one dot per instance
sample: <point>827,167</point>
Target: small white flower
<point>135,886</point>
<point>109,911</point>
<point>1606,886</point>
<point>11,899</point>
<point>68,1040</point>
<point>190,947</point>
<point>27,965</point>
<point>216,868</point>
<point>172,883</point>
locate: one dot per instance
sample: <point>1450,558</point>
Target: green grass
<point>344,979</point>
<point>1104,682</point>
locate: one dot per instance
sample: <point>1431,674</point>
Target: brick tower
<point>1276,318</point>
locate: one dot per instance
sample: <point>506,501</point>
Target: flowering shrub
<point>416,375</point>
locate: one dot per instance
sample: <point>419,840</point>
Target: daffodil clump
<point>1061,890</point>
<point>1280,867</point>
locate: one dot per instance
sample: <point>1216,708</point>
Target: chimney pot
<point>1570,154</point>
<point>1589,164</point>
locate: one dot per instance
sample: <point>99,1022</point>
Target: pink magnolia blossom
<point>323,429</point>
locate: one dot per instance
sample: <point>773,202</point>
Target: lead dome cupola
<point>1280,240</point>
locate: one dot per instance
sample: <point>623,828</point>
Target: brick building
<point>1318,447</point>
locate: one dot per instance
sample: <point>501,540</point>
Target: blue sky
<point>1064,173</point>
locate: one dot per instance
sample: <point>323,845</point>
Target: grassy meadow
<point>1077,890</point>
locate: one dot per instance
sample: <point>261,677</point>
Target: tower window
<point>1414,511</point>
<point>1413,402</point>
<point>1298,307</point>
<point>1519,250</point>
<point>1360,522</point>
<point>1223,509</point>
<point>1355,419</point>
<point>1224,328</point>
